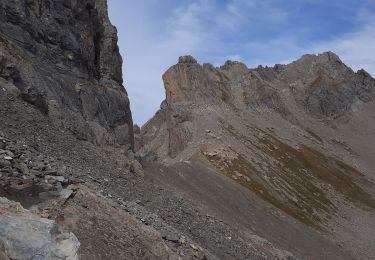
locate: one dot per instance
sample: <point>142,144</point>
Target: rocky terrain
<point>62,57</point>
<point>298,136</point>
<point>102,196</point>
<point>239,163</point>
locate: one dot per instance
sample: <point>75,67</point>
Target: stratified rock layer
<point>62,56</point>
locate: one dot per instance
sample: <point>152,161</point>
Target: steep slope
<point>78,184</point>
<point>100,195</point>
<point>61,95</point>
<point>62,56</point>
<point>65,149</point>
<point>299,137</point>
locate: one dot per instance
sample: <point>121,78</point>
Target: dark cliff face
<point>62,56</point>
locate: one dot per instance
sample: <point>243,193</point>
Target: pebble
<point>193,247</point>
<point>172,238</point>
<point>55,178</point>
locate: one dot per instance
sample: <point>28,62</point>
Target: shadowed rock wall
<point>62,56</point>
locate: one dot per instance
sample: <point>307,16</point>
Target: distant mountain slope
<point>298,136</point>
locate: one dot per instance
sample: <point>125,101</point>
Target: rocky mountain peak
<point>327,63</point>
<point>190,82</point>
<point>187,59</point>
<point>230,64</point>
<point>183,81</point>
<point>318,86</point>
<point>364,73</point>
<point>325,86</point>
<point>331,56</point>
<point>327,56</point>
<point>312,80</point>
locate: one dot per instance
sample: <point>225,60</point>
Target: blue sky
<point>154,33</point>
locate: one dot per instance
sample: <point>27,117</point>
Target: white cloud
<point>189,17</point>
<point>269,11</point>
<point>356,49</point>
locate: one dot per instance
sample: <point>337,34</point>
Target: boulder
<point>24,235</point>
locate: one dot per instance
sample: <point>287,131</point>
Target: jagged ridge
<point>290,134</point>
